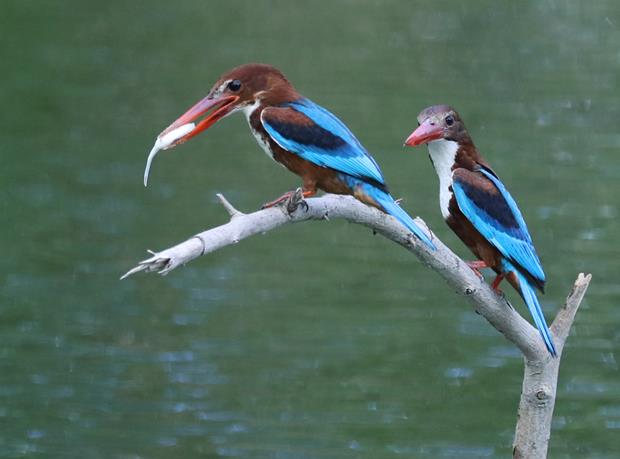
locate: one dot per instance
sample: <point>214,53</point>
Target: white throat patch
<point>443,154</point>
<point>264,143</point>
<point>249,109</point>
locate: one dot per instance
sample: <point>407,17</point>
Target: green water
<point>319,340</point>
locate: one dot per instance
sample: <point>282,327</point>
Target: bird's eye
<point>449,120</point>
<point>234,85</point>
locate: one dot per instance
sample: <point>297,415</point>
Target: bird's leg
<point>476,266</point>
<point>308,189</point>
<point>275,202</point>
<point>285,196</point>
<point>495,285</point>
<point>307,194</point>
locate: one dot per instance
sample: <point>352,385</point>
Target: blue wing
<point>308,130</point>
<point>486,203</point>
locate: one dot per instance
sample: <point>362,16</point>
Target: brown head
<point>243,88</point>
<point>439,122</point>
<point>238,89</point>
<point>449,143</point>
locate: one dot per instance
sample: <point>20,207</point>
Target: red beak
<point>220,107</point>
<point>426,132</point>
<point>183,129</point>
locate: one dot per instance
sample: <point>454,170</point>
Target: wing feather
<point>310,131</point>
<point>487,204</point>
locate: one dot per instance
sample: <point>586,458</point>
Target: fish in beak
<point>185,127</point>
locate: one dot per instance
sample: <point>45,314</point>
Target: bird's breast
<point>263,141</point>
<point>252,114</point>
<point>445,195</point>
<point>443,154</point>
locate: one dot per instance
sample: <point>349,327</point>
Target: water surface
<point>318,340</point>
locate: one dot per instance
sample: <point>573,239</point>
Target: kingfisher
<point>479,209</point>
<point>302,136</point>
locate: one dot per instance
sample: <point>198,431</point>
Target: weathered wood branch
<point>541,370</point>
<point>540,380</point>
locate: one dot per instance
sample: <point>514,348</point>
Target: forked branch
<point>496,309</point>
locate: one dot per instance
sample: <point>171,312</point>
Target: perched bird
<point>295,132</point>
<point>478,208</point>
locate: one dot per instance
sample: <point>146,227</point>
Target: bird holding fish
<point>295,132</point>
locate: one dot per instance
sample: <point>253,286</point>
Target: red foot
<point>476,266</point>
<point>285,196</point>
<point>495,285</point>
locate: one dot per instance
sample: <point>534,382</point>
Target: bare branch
<point>540,382</point>
<point>454,270</point>
<point>541,370</point>
<point>565,317</point>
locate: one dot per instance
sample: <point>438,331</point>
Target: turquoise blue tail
<point>528,293</point>
<point>389,206</point>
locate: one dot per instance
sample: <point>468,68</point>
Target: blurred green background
<point>319,340</point>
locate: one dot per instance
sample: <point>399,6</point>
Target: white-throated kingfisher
<point>478,208</point>
<point>297,133</point>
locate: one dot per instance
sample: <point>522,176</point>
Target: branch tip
<point>157,261</point>
<point>132,271</point>
<point>229,207</point>
<point>566,315</point>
